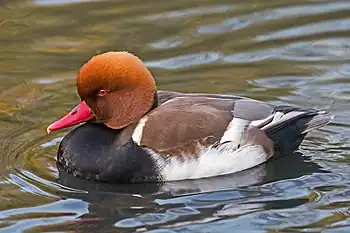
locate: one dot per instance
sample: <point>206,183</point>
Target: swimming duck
<point>134,133</point>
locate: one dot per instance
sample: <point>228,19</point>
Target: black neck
<point>94,151</point>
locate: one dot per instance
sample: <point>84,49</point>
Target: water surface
<point>282,51</point>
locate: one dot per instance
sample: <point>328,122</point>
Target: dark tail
<point>289,130</point>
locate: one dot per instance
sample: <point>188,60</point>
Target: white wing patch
<point>235,131</point>
<point>223,160</point>
<point>137,134</point>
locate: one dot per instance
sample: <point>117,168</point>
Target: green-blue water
<point>281,51</point>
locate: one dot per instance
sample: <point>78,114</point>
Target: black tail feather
<point>288,134</point>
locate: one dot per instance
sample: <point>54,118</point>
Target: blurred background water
<point>281,51</point>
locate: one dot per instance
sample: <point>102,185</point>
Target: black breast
<point>94,151</point>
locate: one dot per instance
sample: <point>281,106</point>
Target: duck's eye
<point>102,92</point>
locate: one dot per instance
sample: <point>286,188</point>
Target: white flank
<point>235,130</point>
<point>225,159</point>
<point>137,134</point>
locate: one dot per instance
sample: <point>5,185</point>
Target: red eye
<point>102,92</point>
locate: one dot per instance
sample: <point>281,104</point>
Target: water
<point>281,51</point>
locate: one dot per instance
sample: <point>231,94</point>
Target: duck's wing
<point>195,118</point>
<point>187,122</point>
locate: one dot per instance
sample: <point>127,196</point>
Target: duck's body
<point>187,136</point>
<point>135,133</point>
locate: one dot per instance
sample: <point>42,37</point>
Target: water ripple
<point>216,9</point>
<point>185,60</point>
<point>305,30</point>
<point>157,218</point>
<point>167,43</point>
<point>57,2</point>
<point>274,14</point>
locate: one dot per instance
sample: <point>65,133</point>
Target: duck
<point>127,131</point>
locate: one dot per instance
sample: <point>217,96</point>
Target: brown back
<point>184,119</point>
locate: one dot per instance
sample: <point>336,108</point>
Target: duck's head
<point>115,88</point>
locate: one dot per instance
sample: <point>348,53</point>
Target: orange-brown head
<point>116,87</point>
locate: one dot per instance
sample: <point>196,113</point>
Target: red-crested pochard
<point>134,133</point>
